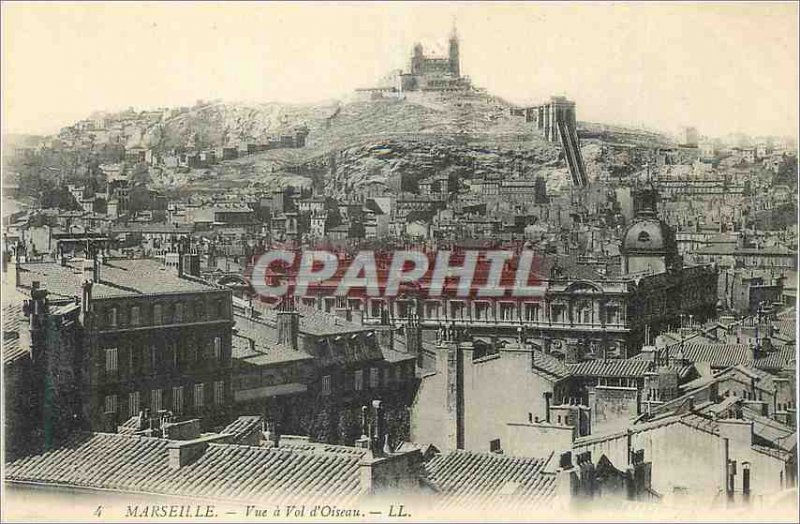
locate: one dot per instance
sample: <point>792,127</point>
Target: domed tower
<point>455,67</point>
<point>648,244</point>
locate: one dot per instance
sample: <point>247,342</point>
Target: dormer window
<point>644,236</point>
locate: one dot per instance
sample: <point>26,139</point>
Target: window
<point>155,400</point>
<point>157,317</point>
<point>111,403</point>
<point>481,310</point>
<point>373,377</point>
<point>326,385</point>
<point>494,446</point>
<point>457,309</point>
<point>135,319</point>
<point>111,360</point>
<point>644,236</point>
<point>219,392</point>
<point>199,391</point>
<point>112,317</point>
<point>359,380</point>
<point>532,312</point>
<point>218,348</point>
<point>177,399</point>
<point>133,403</point>
<point>507,312</point>
<point>179,312</point>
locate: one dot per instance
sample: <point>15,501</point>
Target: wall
<point>675,448</point>
<point>500,389</point>
<point>613,408</point>
<point>430,421</point>
<point>536,440</point>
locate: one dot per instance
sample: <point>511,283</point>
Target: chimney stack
<point>180,258</point>
<point>96,266</point>
<point>379,435</point>
<point>413,332</point>
<point>547,396</point>
<point>182,453</point>
<point>273,434</point>
<point>288,322</point>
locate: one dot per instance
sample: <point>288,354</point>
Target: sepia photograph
<point>399,261</point>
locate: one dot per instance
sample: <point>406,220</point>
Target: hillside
<point>352,142</point>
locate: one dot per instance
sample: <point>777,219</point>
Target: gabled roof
<point>719,355</point>
<point>468,479</point>
<point>777,360</point>
<point>13,322</point>
<point>549,364</point>
<point>611,368</point>
<point>224,471</point>
<point>243,426</point>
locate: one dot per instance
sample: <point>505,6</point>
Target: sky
<point>720,67</point>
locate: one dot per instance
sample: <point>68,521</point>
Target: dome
<point>648,236</point>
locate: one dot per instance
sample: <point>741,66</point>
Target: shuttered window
<point>133,404</point>
<point>199,394</point>
<point>111,403</point>
<point>112,363</point>
<point>155,400</point>
<point>177,399</point>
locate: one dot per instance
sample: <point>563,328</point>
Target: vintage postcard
<point>399,261</point>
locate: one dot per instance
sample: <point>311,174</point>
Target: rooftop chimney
<point>378,427</point>
<point>183,453</point>
<point>288,322</point>
<point>96,267</point>
<point>273,434</point>
<point>547,396</point>
<point>413,332</point>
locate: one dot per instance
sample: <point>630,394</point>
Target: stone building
<point>153,338</point>
<point>427,73</point>
<point>310,372</point>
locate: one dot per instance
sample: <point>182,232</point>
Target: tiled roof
<point>13,350</point>
<point>118,277</point>
<point>780,435</point>
<point>777,360</point>
<point>469,479</point>
<point>13,318</point>
<point>223,471</point>
<point>786,326</point>
<point>720,355</point>
<point>14,321</point>
<point>611,368</point>
<point>549,364</point>
<point>243,426</point>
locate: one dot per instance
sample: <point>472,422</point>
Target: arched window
<point>644,236</point>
